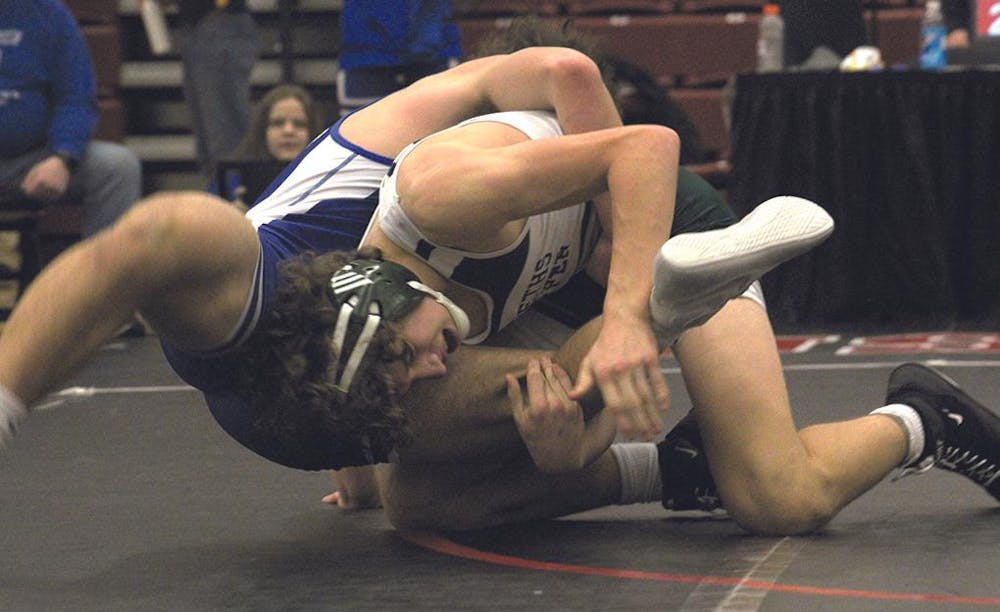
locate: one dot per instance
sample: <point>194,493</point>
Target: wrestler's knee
<point>778,503</point>
<point>128,247</point>
<point>160,232</point>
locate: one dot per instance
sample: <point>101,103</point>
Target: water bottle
<point>771,40</point>
<point>932,34</point>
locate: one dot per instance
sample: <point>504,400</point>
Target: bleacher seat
<point>896,32</point>
<point>93,11</point>
<point>104,44</point>
<point>890,3</point>
<point>699,6</point>
<point>111,120</point>
<point>704,107</point>
<point>588,7</point>
<point>481,8</point>
<point>474,31</point>
<point>681,49</point>
<point>21,215</point>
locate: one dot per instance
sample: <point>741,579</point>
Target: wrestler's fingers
<point>661,392</point>
<point>562,378</point>
<point>648,401</point>
<point>584,382</point>
<point>637,394</point>
<point>514,395</point>
<point>624,413</point>
<point>559,400</point>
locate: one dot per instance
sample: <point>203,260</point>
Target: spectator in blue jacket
<point>48,111</point>
<point>388,44</point>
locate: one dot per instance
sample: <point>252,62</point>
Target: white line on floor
<point>877,365</point>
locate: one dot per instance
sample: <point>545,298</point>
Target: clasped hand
<point>550,423</point>
<point>624,364</point>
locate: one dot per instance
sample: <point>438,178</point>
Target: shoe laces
<point>967,463</point>
<point>915,468</point>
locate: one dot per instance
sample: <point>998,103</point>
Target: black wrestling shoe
<point>961,435</point>
<point>687,481</point>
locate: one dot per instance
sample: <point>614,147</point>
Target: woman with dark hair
<point>283,123</point>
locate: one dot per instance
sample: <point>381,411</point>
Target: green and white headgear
<point>372,291</point>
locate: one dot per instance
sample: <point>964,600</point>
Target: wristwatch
<point>70,161</point>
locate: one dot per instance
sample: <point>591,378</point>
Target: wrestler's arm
<point>636,165</point>
<point>539,78</point>
<point>356,489</point>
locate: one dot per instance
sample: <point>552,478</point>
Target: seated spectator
<point>284,122</point>
<point>48,111</point>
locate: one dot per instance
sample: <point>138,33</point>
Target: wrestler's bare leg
<point>772,478</point>
<point>185,260</point>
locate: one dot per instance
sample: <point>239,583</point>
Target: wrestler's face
<point>287,129</point>
<point>430,334</point>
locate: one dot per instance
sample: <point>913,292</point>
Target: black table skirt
<point>908,165</point>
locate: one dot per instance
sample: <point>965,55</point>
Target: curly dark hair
<point>289,366</point>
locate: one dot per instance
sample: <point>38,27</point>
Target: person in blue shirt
<point>388,44</point>
<point>48,111</point>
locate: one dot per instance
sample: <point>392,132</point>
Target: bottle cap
<point>772,9</point>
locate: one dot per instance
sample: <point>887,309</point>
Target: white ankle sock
<point>639,468</point>
<point>12,412</point>
<point>909,420</point>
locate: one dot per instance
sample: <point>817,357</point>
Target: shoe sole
<point>704,270</point>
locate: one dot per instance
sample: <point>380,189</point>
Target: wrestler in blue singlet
<point>322,202</point>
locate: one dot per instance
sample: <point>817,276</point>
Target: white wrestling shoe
<point>695,274</point>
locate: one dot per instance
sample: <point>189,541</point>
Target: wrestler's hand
<point>356,489</point>
<point>624,364</point>
<point>11,416</point>
<point>550,423</point>
<point>47,180</point>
